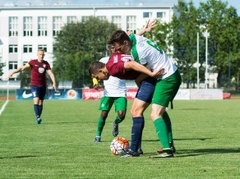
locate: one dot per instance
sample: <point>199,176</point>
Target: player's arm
<point>18,70</point>
<point>133,65</point>
<point>50,73</point>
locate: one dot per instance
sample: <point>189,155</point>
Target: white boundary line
<point>3,107</point>
<point>6,102</point>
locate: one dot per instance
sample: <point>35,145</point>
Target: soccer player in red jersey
<point>38,67</point>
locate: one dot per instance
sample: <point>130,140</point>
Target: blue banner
<point>68,94</point>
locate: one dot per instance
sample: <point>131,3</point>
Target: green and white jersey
<point>114,87</point>
<point>149,54</point>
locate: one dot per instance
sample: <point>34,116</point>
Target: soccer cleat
<point>168,153</point>
<point>171,146</point>
<point>97,139</point>
<point>140,151</point>
<point>129,153</point>
<point>38,121</point>
<point>115,129</point>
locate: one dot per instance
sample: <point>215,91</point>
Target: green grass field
<point>206,137</point>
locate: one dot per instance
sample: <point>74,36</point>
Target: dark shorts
<point>38,91</point>
<point>146,89</point>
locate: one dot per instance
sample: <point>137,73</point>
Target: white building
<point>26,27</point>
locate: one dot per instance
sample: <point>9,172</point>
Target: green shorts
<point>107,102</point>
<point>166,89</point>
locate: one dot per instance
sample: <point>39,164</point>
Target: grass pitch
<point>206,138</point>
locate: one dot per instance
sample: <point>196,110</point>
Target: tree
<point>77,46</point>
<point>183,39</point>
<point>223,44</point>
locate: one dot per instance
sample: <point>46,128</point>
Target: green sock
<point>101,123</point>
<point>118,120</point>
<point>169,126</point>
<point>161,130</point>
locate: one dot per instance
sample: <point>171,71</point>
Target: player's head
<point>40,54</point>
<point>110,48</point>
<point>121,41</point>
<point>98,70</point>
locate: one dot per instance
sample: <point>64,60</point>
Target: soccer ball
<point>118,145</point>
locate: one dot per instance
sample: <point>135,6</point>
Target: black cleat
<point>164,154</point>
<point>129,153</point>
<point>115,129</point>
<point>171,146</point>
<point>97,139</point>
<point>140,151</point>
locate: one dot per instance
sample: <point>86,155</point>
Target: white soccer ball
<point>119,145</point>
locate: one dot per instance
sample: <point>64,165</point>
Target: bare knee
<point>121,114</point>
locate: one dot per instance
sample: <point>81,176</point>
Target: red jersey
<point>115,66</point>
<point>38,72</point>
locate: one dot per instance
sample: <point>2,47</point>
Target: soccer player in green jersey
<point>146,52</point>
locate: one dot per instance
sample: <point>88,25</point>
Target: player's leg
<point>121,108</point>
<point>105,106</point>
<point>164,92</point>
<point>140,103</point>
<point>42,92</point>
<point>35,94</point>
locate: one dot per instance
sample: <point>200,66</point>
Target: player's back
<point>148,53</point>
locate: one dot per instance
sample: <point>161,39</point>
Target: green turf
<point>206,137</point>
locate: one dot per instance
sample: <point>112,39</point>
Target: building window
<point>42,26</point>
<point>145,14</point>
<point>13,26</point>
<point>25,62</point>
<point>131,23</point>
<point>27,26</point>
<point>160,14</point>
<point>102,17</point>
<point>85,18</point>
<point>13,49</point>
<point>71,19</point>
<point>57,25</point>
<point>44,47</point>
<point>27,48</point>
<point>117,21</point>
<point>12,65</point>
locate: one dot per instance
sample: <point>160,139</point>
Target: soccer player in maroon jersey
<point>38,67</point>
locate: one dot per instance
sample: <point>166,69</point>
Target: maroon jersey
<point>38,72</point>
<point>115,66</point>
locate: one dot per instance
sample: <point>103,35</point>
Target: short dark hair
<point>119,36</point>
<point>94,67</point>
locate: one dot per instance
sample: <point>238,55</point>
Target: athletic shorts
<point>106,103</point>
<point>166,89</point>
<point>38,91</point>
<point>146,89</point>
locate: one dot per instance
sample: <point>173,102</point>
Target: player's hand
<point>150,25</point>
<point>97,86</point>
<point>54,87</point>
<point>158,73</point>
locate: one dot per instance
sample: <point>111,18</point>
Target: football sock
<point>100,125</point>
<point>140,140</point>
<point>118,120</point>
<point>169,126</point>
<point>138,123</point>
<point>36,110</point>
<point>40,108</point>
<point>161,130</point>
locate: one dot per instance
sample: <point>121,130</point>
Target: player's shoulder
<point>104,59</point>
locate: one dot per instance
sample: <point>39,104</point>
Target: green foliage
<point>206,138</point>
<point>77,46</point>
<point>180,35</point>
